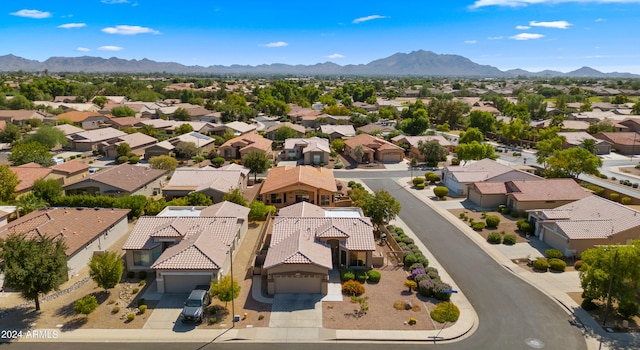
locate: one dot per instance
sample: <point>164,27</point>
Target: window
<point>325,200</point>
<point>302,196</point>
<point>275,198</point>
<point>141,258</point>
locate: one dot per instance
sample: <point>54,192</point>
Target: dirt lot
<point>613,320</point>
<point>507,224</point>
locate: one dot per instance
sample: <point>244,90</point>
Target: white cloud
<point>495,38</point>
<point>553,24</point>
<point>368,18</point>
<point>471,42</point>
<point>522,27</point>
<point>32,14</point>
<point>276,44</point>
<point>526,36</point>
<point>600,20</point>
<point>83,49</point>
<point>72,25</point>
<point>112,2</point>
<point>334,56</point>
<point>517,3</point>
<point>110,48</point>
<point>129,30</point>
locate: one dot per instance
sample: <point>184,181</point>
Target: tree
<point>338,145</point>
<point>8,182</point>
<point>475,151</point>
<point>28,152</point>
<point>106,269</point>
<point>472,134</point>
<point>100,101</point>
<point>484,121</point>
<point>589,145</point>
<point>381,207</point>
<point>33,266</point>
<point>20,102</point>
<point>635,110</point>
<point>123,150</point>
<point>259,210</point>
<point>48,136</point>
<point>235,196</point>
<point>447,111</point>
<point>284,132</point>
<point>432,151</point>
<point>198,199</point>
<point>28,203</point>
<point>181,114</point>
<point>572,162</point>
<point>417,124</point>
<point>226,289</point>
<point>123,111</point>
<point>47,190</point>
<point>257,162</point>
<point>163,162</point>
<point>183,129</point>
<point>546,148</point>
<point>10,134</point>
<point>186,149</point>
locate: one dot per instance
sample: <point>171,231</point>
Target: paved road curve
<point>512,314</point>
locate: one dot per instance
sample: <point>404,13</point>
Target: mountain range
<point>416,63</point>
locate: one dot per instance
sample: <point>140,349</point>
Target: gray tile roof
<point>302,209</point>
<point>203,252</point>
<point>204,178</point>
<point>126,177</point>
<point>357,231</point>
<point>298,247</point>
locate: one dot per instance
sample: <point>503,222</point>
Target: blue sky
<point>562,35</point>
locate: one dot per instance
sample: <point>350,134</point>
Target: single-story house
<point>185,251</point>
<point>270,132</point>
<point>84,230</point>
<point>203,143</point>
<point>138,142</point>
<point>213,182</point>
<point>70,171</point>
<point>237,147</point>
<point>120,180</point>
<point>289,185</point>
<point>163,148</point>
<point>526,194</point>
<point>304,248</point>
<point>338,131</point>
<point>630,124</point>
<point>28,174</point>
<point>373,149</point>
<point>457,178</point>
<point>238,128</point>
<point>379,128</point>
<point>69,129</point>
<point>305,116</point>
<point>586,223</point>
<point>4,217</point>
<point>85,120</point>
<point>20,116</point>
<point>92,140</point>
<point>575,139</point>
<point>622,142</point>
<point>313,150</point>
<point>414,141</point>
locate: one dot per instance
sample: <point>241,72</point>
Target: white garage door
<point>298,284</point>
<point>391,157</point>
<point>184,283</point>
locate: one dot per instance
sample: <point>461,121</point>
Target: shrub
<point>134,160</point>
<point>478,226</point>
<point>115,309</point>
<point>635,185</point>
<point>374,276</point>
<point>418,180</point>
<point>455,161</point>
<point>432,178</point>
<point>131,317</point>
<point>412,285</point>
<point>86,305</point>
<point>420,186</point>
<point>506,211</point>
<point>338,165</point>
<point>614,196</point>
<point>557,265</point>
<point>421,258</point>
<point>588,305</point>
<point>553,253</point>
<point>347,275</point>
<point>509,239</point>
<point>577,265</point>
<point>130,274</point>
<point>416,266</point>
<point>596,189</point>
<point>445,312</point>
<point>122,159</point>
<point>142,283</point>
<point>541,264</point>
<point>524,226</point>
<point>111,301</point>
<point>421,277</point>
<point>399,230</point>
<point>142,275</point>
<point>135,290</point>
<point>407,240</point>
<point>261,317</point>
<point>142,308</point>
<point>432,272</point>
<point>213,320</point>
<point>627,309</point>
<point>438,291</point>
<point>410,259</point>
<point>625,200</point>
<point>416,272</point>
<point>440,191</point>
<point>141,302</point>
<point>492,221</point>
<point>494,238</point>
<point>425,288</point>
<point>217,161</point>
<point>352,288</point>
<point>412,321</point>
<point>361,276</point>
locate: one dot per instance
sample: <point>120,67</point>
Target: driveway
<point>166,315</point>
<point>296,311</point>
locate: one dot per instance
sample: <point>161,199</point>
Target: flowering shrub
<point>425,288</point>
<point>412,321</point>
<point>416,272</point>
<point>352,288</point>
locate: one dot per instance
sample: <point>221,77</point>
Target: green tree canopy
<point>106,269</point>
<point>183,129</point>
<point>123,150</point>
<point>259,210</point>
<point>381,207</point>
<point>284,133</point>
<point>123,111</point>
<point>10,134</point>
<point>432,151</point>
<point>28,203</point>
<point>198,199</point>
<point>33,266</point>
<point>475,151</point>
<point>186,149</point>
<point>235,196</point>
<point>226,289</point>
<point>472,134</point>
<point>484,121</point>
<point>28,152</point>
<point>546,148</point>
<point>163,162</point>
<point>572,162</point>
<point>8,182</point>
<point>100,101</point>
<point>181,114</point>
<point>47,190</point>
<point>337,145</point>
<point>48,136</point>
<point>257,162</point>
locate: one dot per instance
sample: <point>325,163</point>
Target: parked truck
<point>196,303</point>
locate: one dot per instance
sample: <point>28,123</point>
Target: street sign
<point>449,291</point>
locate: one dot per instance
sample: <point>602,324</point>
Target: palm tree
<point>28,203</point>
<point>589,145</point>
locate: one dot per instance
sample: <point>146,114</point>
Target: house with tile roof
<point>338,131</point>
<point>309,242</point>
<point>212,182</point>
<point>313,150</point>
<point>69,129</point>
<point>4,217</point>
<point>378,128</point>
<point>138,142</point>
<point>414,142</point>
<point>83,230</point>
<point>237,147</point>
<point>575,139</point>
<point>586,223</point>
<point>28,174</point>
<point>457,178</point>
<point>526,194</point>
<point>70,171</point>
<point>93,140</point>
<point>163,148</point>
<point>85,120</point>
<point>203,143</point>
<point>270,132</point>
<point>374,149</point>
<point>185,251</point>
<point>120,180</point>
<point>289,185</point>
<point>622,142</point>
<point>237,127</point>
<point>20,116</point>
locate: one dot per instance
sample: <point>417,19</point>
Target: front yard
<point>507,223</point>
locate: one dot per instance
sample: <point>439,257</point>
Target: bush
<point>410,259</point>
<point>420,186</point>
<point>142,275</point>
<point>374,276</point>
<point>557,265</point>
<point>455,161</point>
<point>614,196</point>
<point>86,305</point>
<point>338,165</point>
<point>440,191</point>
<point>588,305</point>
<point>217,161</point>
<point>134,160</point>
<point>432,272</point>
<point>445,312</point>
<point>541,264</point>
<point>122,159</point>
<point>596,189</point>
<point>347,275</point>
<point>438,291</point>
<point>478,226</point>
<point>553,253</point>
<point>625,200</point>
<point>494,238</point>
<point>432,178</point>
<point>212,320</point>
<point>135,290</point>
<point>425,288</point>
<point>524,226</point>
<point>407,240</point>
<point>352,288</point>
<point>142,283</point>
<point>142,309</point>
<point>115,309</point>
<point>509,239</point>
<point>361,276</point>
<point>412,321</point>
<point>627,309</point>
<point>131,317</point>
<point>416,266</point>
<point>492,221</point>
<point>399,230</point>
<point>577,265</point>
<point>418,180</point>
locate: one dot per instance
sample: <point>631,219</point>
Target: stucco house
<point>213,182</point>
<point>94,140</point>
<point>20,116</point>
<point>120,180</point>
<point>163,148</point>
<point>373,149</point>
<point>138,142</point>
<point>575,139</point>
<point>271,131</point>
<point>85,120</point>
<point>622,142</point>
<point>237,127</point>
<point>414,142</point>
<point>289,185</point>
<point>186,250</point>
<point>203,143</point>
<point>84,230</point>
<point>457,178</point>
<point>237,147</point>
<point>313,150</point>
<point>303,249</point>
<point>338,131</point>
<point>586,223</point>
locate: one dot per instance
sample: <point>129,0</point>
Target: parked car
<point>194,306</point>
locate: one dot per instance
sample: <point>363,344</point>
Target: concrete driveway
<point>296,311</point>
<point>166,315</point>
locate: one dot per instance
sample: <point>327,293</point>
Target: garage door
<point>298,284</point>
<point>184,283</point>
<point>391,157</point>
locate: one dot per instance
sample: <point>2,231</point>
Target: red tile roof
<point>282,177</point>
